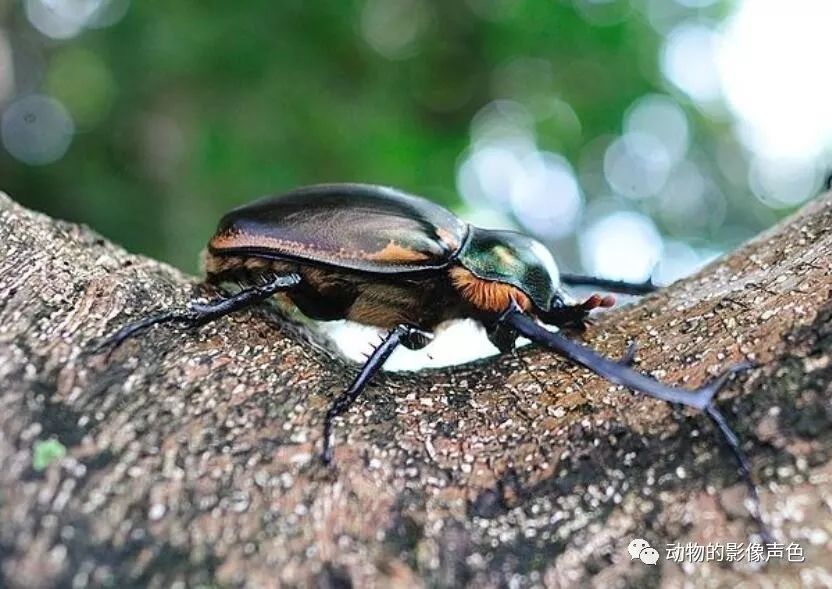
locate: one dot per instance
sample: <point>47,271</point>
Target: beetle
<point>379,256</point>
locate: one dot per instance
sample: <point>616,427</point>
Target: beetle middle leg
<point>197,313</point>
<point>406,335</point>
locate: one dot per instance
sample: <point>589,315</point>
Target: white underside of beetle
<point>455,342</point>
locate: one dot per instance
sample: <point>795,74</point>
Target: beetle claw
<point>597,301</point>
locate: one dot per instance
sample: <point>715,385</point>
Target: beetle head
<point>515,259</point>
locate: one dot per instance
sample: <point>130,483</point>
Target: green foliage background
<point>185,109</point>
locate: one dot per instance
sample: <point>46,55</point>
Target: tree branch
<point>192,456</point>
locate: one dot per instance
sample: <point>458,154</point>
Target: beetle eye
<point>557,301</point>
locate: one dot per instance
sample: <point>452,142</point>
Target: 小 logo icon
<point>641,549</point>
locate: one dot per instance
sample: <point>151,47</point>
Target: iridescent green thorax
<point>515,259</point>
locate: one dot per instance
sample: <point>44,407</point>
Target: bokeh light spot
<point>637,165</point>
<point>624,245</point>
<point>546,197</point>
<point>781,90</point>
<point>678,261</point>
<point>393,27</point>
<point>661,117</point>
<point>506,122</point>
<point>664,15</point>
<point>691,204</point>
<point>783,183</point>
<point>559,119</point>
<point>688,60</point>
<point>60,19</point>
<point>37,130</point>
<point>487,175</point>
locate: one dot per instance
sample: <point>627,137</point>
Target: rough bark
<point>191,456</point>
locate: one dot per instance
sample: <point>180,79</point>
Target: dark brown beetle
<point>381,257</point>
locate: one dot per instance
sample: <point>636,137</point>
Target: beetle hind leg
<point>114,340</point>
<point>197,313</point>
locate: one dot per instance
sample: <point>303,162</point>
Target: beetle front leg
<point>620,373</point>
<point>616,372</point>
<point>196,313</point>
<point>406,335</point>
<point>502,336</point>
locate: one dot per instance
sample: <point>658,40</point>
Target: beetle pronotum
<point>381,257</point>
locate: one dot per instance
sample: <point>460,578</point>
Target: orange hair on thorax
<point>487,295</point>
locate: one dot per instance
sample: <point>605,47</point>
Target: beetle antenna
<point>619,286</point>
